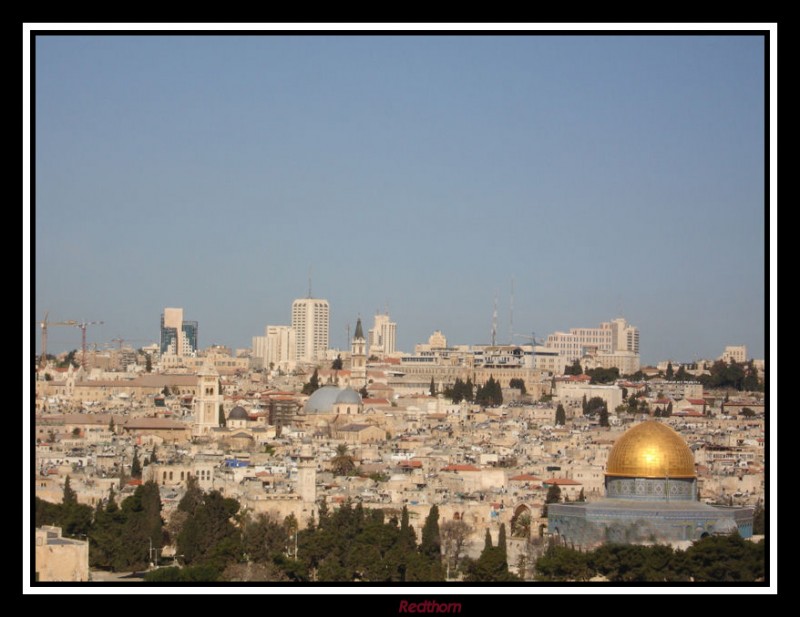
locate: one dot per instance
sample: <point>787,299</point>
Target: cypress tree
<point>136,465</point>
<point>501,543</point>
<point>70,497</point>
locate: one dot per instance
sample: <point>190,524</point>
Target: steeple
<point>358,358</point>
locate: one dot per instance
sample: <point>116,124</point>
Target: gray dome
<point>323,400</point>
<point>349,396</point>
<point>238,413</point>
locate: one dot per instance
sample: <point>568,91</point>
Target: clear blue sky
<point>609,176</point>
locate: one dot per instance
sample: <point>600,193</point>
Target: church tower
<point>206,402</point>
<point>358,358</point>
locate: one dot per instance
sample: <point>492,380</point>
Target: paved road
<point>101,576</point>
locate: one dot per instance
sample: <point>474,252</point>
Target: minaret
<point>307,479</point>
<point>358,358</point>
<point>206,401</point>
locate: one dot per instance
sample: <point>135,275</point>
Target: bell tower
<point>206,402</point>
<point>358,358</point>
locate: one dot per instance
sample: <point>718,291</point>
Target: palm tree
<point>342,463</point>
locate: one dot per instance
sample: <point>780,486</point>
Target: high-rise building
<point>178,337</point>
<point>281,347</point>
<point>614,344</point>
<point>311,323</point>
<point>383,336</point>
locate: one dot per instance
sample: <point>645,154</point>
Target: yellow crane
<point>46,324</point>
<point>82,325</point>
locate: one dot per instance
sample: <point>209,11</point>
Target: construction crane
<point>534,343</point>
<point>121,340</point>
<point>46,324</point>
<point>82,325</point>
<point>532,338</point>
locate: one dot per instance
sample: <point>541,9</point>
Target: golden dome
<point>651,450</point>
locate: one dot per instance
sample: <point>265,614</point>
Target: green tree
<point>670,372</point>
<point>726,559</point>
<point>221,417</point>
<point>46,513</point>
<point>519,384</point>
<point>561,415</point>
<point>111,426</point>
<point>492,565</point>
<point>342,464</point>
<point>153,455</point>
<point>136,465</point>
<point>574,369</point>
<point>553,496</point>
<point>148,364</point>
<point>682,375</point>
<point>585,406</point>
<point>603,375</point>
<point>561,564</point>
<point>263,538</point>
<point>192,498</point>
<point>594,406</point>
<point>431,544</point>
<point>751,382</point>
<point>747,412</point>
<point>209,536</point>
<point>105,537</point>
<point>313,383</point>
<point>69,497</point>
<point>759,520</point>
<point>490,393</point>
<point>429,567</point>
<point>603,416</point>
<point>468,390</point>
<point>432,388</point>
<point>337,364</point>
<point>364,392</point>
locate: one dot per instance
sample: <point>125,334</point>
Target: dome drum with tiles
<point>651,495</point>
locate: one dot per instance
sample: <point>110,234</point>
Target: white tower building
<point>311,323</point>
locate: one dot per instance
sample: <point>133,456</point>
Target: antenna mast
<point>511,315</point>
<point>494,323</point>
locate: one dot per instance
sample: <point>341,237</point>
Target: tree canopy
<point>489,393</point>
<point>313,383</point>
<point>711,559</point>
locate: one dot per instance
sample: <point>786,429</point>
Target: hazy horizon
<point>607,176</point>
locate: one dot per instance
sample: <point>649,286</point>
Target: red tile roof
<point>411,464</point>
<point>562,481</point>
<point>525,477</point>
<point>460,468</point>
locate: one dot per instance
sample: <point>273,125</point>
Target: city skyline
<point>606,176</point>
